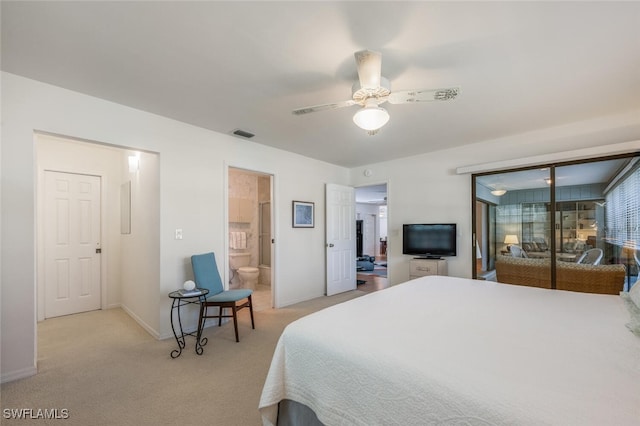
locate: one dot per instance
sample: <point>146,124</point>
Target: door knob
<point>330,245</point>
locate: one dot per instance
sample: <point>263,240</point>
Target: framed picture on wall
<point>303,214</point>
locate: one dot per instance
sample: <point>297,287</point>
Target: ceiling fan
<point>373,89</point>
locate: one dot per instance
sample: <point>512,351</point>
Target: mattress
<point>444,350</point>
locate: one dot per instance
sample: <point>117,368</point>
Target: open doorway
<point>251,234</point>
<point>371,237</point>
<point>98,262</point>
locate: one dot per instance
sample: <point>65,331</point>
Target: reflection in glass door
<point>599,223</point>
<point>573,226</point>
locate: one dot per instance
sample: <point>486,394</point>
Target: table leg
<point>200,341</point>
<point>175,306</point>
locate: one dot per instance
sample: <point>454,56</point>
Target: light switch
<point>178,234</point>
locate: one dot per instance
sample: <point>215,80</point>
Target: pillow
<point>542,246</point>
<point>634,294</point>
<point>634,311</point>
<point>527,247</point>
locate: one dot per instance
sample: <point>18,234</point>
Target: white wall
<point>140,249</point>
<point>363,208</point>
<point>193,164</point>
<point>382,220</point>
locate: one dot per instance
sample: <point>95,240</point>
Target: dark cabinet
<point>358,238</point>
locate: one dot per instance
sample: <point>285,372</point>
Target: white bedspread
<point>445,351</point>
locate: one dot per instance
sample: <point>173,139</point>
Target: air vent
<point>243,134</point>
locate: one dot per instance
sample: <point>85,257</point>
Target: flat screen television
<point>429,240</point>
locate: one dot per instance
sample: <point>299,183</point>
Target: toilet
<point>249,276</point>
<point>239,262</point>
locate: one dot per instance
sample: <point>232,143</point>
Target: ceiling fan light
<point>371,118</point>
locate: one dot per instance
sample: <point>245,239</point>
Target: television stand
<point>419,267</point>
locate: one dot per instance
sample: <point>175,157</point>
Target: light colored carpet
<point>106,370</point>
<point>261,297</point>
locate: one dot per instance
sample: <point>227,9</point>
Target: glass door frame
<point>552,201</point>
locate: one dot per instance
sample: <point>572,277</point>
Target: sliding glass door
<point>521,221</point>
<point>557,216</point>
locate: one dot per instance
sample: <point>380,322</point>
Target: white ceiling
<point>372,194</point>
<point>521,66</point>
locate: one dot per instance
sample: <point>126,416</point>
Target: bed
<point>444,351</point>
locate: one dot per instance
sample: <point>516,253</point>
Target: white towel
<point>238,240</point>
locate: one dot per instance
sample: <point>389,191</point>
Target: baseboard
<point>19,374</point>
<point>142,324</point>
<point>287,303</point>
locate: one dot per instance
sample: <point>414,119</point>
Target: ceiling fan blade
<point>369,68</point>
<point>423,95</point>
<point>324,107</point>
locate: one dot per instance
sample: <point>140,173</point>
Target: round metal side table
<point>181,299</point>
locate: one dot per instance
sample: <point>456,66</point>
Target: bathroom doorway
<point>251,234</point>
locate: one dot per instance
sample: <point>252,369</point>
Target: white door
<point>369,238</point>
<point>72,243</point>
<point>341,238</point>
